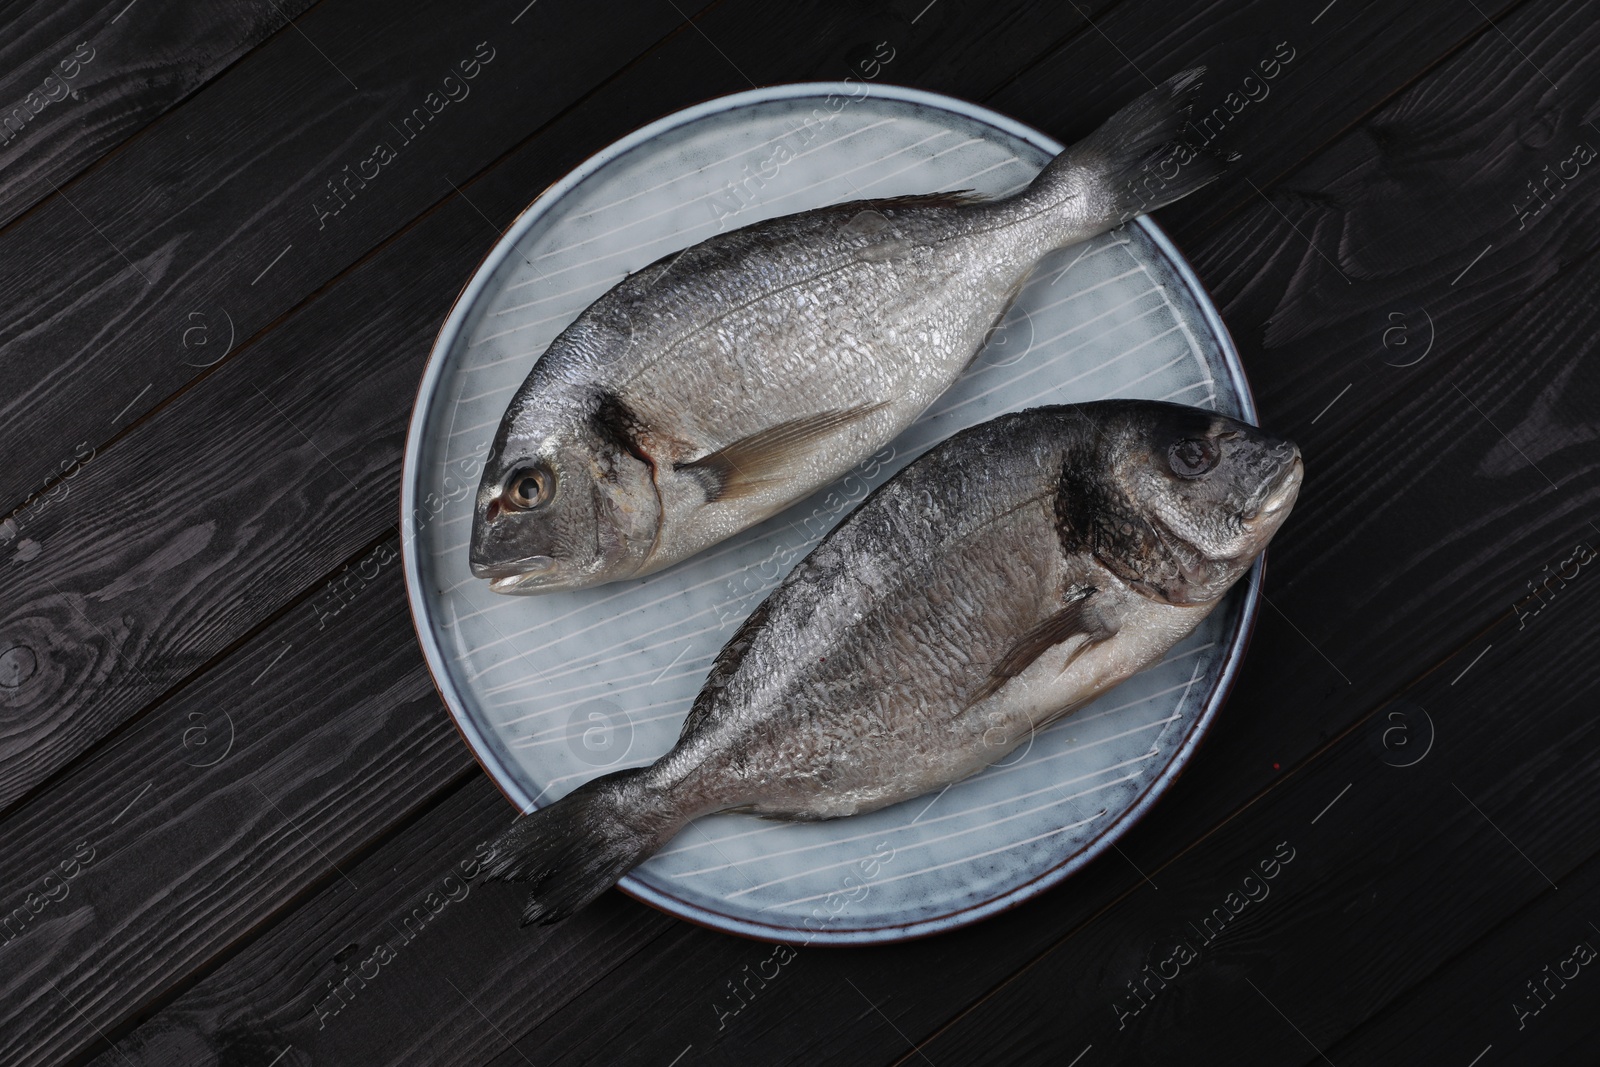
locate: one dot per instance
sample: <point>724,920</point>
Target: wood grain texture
<point>398,971</point>
<point>1375,263</point>
<point>266,476</point>
<point>1479,999</point>
<point>232,210</point>
<point>1420,524</point>
<point>1314,71</point>
<point>88,76</point>
<point>192,841</point>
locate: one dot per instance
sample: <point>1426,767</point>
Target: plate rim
<point>422,620</point>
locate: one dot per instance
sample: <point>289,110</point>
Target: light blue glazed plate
<point>551,691</point>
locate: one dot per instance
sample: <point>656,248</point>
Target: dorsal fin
<point>953,198</point>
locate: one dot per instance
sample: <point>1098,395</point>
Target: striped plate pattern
<point>551,691</point>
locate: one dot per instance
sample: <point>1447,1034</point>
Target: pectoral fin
<point>1077,618</point>
<point>754,462</point>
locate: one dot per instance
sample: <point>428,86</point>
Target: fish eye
<point>1193,457</point>
<point>530,486</point>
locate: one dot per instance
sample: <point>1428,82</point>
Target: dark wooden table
<point>232,819</point>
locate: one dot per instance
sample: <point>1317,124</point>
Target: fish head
<point>1192,500</point>
<point>564,503</point>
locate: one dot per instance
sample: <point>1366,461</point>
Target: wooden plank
<point>79,79</point>
<point>1394,870</point>
<point>397,971</point>
<point>1479,1004</point>
<point>213,812</point>
<point>266,476</point>
<point>292,520</point>
<point>1314,71</point>
<point>1373,264</point>
<point>235,208</point>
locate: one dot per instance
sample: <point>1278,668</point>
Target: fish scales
<point>882,609</point>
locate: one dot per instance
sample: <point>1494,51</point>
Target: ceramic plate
<point>551,691</point>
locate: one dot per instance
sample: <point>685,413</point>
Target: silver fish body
<point>710,389</point>
<point>1003,580</point>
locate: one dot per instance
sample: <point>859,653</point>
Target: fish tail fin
<point>1145,156</point>
<point>580,846</point>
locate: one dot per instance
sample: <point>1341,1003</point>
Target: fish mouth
<point>530,575</point>
<point>1280,492</point>
<point>521,584</point>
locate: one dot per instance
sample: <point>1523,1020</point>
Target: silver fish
<point>712,388</point>
<point>1001,581</point>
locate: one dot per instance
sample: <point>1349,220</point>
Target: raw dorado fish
<point>714,387</point>
<point>1003,580</point>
